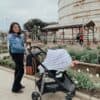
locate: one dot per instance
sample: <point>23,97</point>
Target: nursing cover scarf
<point>58,59</point>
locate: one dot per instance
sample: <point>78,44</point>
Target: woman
<point>16,49</point>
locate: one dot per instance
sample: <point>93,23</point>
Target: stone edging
<point>89,64</point>
<point>83,96</point>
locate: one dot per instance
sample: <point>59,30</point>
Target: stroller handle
<point>38,53</point>
<point>41,50</point>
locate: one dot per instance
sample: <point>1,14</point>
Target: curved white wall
<point>78,11</point>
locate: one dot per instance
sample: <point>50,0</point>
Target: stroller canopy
<point>58,59</point>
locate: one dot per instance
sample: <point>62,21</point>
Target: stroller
<point>58,78</point>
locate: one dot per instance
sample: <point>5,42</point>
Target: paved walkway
<point>6,79</point>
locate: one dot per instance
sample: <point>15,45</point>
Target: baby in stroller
<point>54,66</point>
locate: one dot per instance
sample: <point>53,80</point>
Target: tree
<point>34,26</point>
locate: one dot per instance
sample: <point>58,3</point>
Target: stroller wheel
<point>36,96</point>
<point>70,95</point>
<point>68,98</point>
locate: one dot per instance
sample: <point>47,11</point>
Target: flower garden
<point>87,80</point>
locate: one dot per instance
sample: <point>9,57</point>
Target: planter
<point>93,68</point>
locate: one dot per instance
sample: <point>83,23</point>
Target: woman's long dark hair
<point>11,28</point>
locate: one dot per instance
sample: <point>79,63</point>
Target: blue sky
<point>23,10</point>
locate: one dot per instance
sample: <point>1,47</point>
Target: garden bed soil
<point>94,93</point>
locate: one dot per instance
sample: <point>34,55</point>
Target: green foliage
<point>97,85</point>
<point>3,51</point>
<point>32,25</point>
<point>7,62</point>
<point>98,47</point>
<point>83,80</point>
<point>2,62</point>
<point>3,48</point>
<point>88,56</point>
<point>88,48</point>
<point>77,55</point>
<point>6,57</point>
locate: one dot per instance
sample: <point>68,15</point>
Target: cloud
<point>22,10</point>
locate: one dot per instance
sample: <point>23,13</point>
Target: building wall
<point>80,11</point>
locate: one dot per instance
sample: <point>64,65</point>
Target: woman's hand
<point>74,63</point>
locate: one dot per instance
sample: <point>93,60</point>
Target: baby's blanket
<point>58,59</point>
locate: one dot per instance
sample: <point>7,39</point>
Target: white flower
<point>97,75</point>
<point>87,69</point>
<point>79,70</point>
<point>76,82</point>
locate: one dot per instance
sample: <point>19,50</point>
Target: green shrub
<point>83,80</point>
<point>62,46</point>
<point>88,56</point>
<point>97,85</point>
<point>2,62</point>
<point>7,62</point>
<point>6,57</point>
<point>99,59</point>
<point>77,55</point>
<point>3,51</point>
<point>85,58</point>
<point>98,47</point>
<point>94,61</point>
<point>11,65</point>
<point>88,48</point>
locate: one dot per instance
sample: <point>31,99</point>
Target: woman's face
<point>16,28</point>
